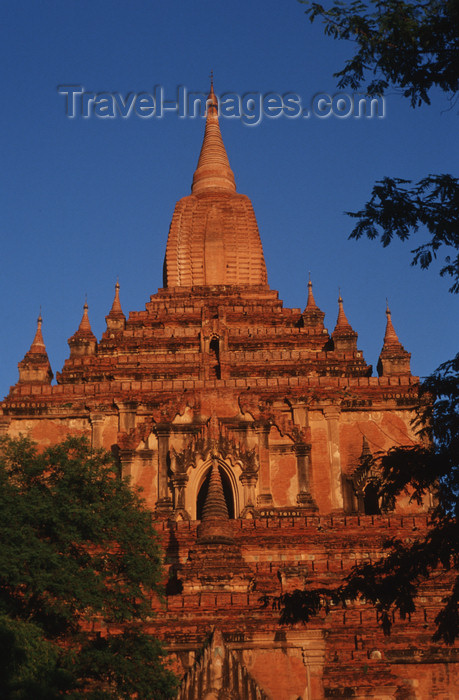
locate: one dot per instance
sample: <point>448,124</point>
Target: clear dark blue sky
<point>86,200</point>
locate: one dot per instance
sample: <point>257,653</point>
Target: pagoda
<point>250,430</point>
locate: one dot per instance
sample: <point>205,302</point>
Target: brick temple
<point>250,429</point>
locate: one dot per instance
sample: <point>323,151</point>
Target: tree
<point>79,564</point>
<point>411,46</point>
<point>414,47</point>
<point>398,210</point>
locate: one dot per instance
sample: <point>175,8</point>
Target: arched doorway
<point>371,500</point>
<point>227,492</point>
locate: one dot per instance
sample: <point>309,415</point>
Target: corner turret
<point>35,368</point>
<point>394,360</point>
<point>313,317</point>
<point>344,336</point>
<point>83,342</point>
<point>116,320</point>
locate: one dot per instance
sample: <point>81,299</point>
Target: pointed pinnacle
<point>38,344</point>
<point>215,507</point>
<point>390,336</point>
<point>341,322</point>
<point>84,323</point>
<point>116,311</point>
<point>84,329</point>
<point>311,301</point>
<point>213,171</point>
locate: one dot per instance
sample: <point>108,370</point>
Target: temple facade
<point>250,430</point>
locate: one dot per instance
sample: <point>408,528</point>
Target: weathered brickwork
<point>250,429</point>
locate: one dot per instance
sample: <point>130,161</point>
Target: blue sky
<point>84,201</point>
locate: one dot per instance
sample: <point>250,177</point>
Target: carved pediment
<point>208,444</point>
<point>264,410</point>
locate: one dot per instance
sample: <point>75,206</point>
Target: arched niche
<point>197,476</point>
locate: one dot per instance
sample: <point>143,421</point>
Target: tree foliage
<point>79,563</point>
<point>397,210</point>
<point>412,46</point>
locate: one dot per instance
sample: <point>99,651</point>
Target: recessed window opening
<point>214,349</point>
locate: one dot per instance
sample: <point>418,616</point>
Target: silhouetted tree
<point>411,46</point>
<point>79,563</point>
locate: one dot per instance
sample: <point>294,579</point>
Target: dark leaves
<point>407,45</point>
<point>397,210</point>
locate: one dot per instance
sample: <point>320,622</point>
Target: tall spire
<point>35,367</point>
<point>213,171</point>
